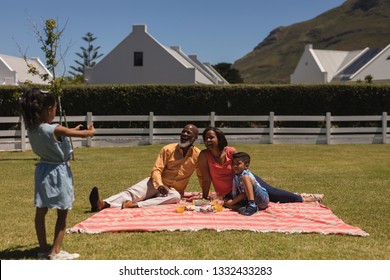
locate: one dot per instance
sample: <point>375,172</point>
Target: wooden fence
<point>266,129</point>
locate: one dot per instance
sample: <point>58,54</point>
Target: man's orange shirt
<point>173,169</point>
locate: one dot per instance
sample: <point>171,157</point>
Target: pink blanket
<point>287,218</point>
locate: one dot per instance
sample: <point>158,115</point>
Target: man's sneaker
<point>241,209</point>
<point>250,210</point>
<point>93,199</point>
<point>63,255</point>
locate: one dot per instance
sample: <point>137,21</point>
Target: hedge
<point>339,99</point>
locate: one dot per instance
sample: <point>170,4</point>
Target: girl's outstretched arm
<point>74,132</point>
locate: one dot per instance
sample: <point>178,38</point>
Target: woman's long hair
<point>32,104</point>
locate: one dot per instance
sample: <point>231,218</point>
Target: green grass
<point>354,178</point>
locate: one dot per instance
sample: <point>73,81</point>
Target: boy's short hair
<point>242,156</point>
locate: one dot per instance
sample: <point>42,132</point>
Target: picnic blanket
<point>304,217</point>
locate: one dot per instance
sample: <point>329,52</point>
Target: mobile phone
<point>84,127</point>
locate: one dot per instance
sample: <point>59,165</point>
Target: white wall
<point>7,77</point>
<point>307,70</point>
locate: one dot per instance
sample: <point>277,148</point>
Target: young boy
<point>246,190</point>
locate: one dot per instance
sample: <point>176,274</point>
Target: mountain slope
<point>354,25</point>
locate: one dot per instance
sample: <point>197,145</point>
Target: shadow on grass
<point>19,253</point>
<point>14,159</point>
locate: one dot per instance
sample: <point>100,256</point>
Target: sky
<point>214,30</point>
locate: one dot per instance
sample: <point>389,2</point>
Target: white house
<point>14,70</point>
<point>327,66</point>
<point>141,59</point>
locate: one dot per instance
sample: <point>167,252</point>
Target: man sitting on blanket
<point>170,175</point>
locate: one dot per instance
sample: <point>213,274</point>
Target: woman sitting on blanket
<point>215,164</point>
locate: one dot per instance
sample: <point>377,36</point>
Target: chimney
<point>176,48</point>
<point>308,47</point>
<point>139,28</point>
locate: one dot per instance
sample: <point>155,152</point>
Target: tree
<point>89,55</point>
<point>368,79</point>
<point>73,80</point>
<point>50,43</point>
<point>50,40</point>
<point>230,74</point>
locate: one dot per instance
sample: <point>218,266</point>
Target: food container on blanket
<point>206,209</point>
<point>218,207</point>
<point>180,208</point>
<point>201,202</point>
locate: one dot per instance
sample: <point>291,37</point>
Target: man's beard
<point>185,144</point>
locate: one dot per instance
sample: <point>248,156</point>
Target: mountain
<point>354,25</point>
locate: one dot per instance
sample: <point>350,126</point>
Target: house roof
<point>345,73</point>
<point>19,65</point>
<point>360,61</point>
<point>180,56</point>
<point>377,65</point>
<point>333,62</point>
<point>209,69</point>
<point>192,62</point>
<point>345,65</point>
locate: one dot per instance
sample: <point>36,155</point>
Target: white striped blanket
<point>287,218</point>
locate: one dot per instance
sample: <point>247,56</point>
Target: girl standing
<point>53,176</point>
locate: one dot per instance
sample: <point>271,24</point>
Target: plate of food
<point>200,202</point>
<point>190,207</point>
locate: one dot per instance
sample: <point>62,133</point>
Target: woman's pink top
<point>221,175</point>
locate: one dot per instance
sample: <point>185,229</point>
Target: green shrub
<point>339,99</point>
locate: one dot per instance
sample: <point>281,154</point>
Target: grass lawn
<point>354,178</point>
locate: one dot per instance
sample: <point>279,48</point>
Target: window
<point>138,58</point>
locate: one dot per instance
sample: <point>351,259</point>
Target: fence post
<point>271,127</point>
<point>89,121</point>
<point>22,135</point>
<point>212,119</point>
<point>328,128</point>
<point>151,127</point>
<point>384,127</point>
